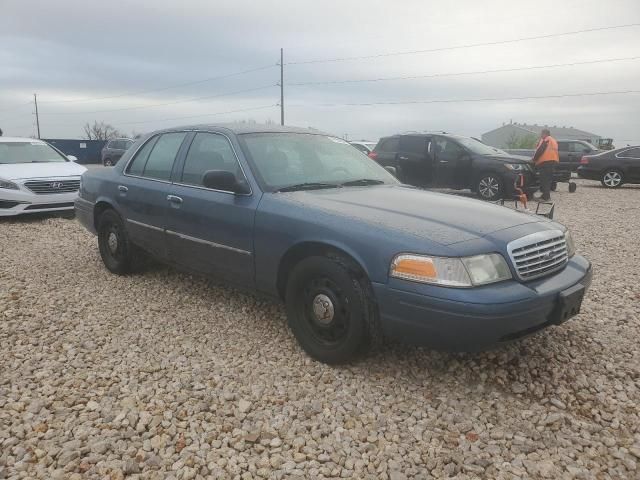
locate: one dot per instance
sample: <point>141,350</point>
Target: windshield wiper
<point>362,182</point>
<point>307,186</point>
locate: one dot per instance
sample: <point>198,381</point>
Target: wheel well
<point>308,249</point>
<point>98,209</point>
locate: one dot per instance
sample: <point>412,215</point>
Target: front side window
<point>631,153</point>
<point>160,161</point>
<point>446,149</point>
<point>208,151</point>
<point>28,152</point>
<point>285,159</point>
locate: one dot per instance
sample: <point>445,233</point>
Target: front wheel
<point>490,187</point>
<point>117,252</point>
<point>612,178</point>
<point>331,309</point>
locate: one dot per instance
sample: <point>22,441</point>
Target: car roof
<point>20,139</point>
<point>243,128</point>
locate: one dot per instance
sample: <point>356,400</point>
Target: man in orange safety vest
<point>545,159</point>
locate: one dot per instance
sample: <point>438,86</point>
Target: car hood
<point>510,158</point>
<point>20,171</point>
<point>442,218</point>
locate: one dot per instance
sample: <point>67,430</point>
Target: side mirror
<point>223,180</point>
<point>392,170</point>
<point>72,158</point>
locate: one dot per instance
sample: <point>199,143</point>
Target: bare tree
<point>100,131</point>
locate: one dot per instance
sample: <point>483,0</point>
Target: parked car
<point>114,149</point>
<point>364,147</point>
<point>36,177</point>
<point>452,161</point>
<point>354,254</point>
<point>613,167</point>
<point>569,151</point>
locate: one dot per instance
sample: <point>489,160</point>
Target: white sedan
<point>35,177</point>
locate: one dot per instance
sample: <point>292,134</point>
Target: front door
<point>142,194</point>
<point>211,231</point>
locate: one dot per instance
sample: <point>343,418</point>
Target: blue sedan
<point>355,255</point>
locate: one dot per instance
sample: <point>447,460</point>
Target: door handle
<point>122,188</point>
<point>444,161</point>
<point>174,199</point>
<point>403,158</point>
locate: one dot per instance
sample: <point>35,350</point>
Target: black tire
<point>554,186</point>
<point>572,187</point>
<point>331,309</point>
<point>117,252</point>
<point>612,178</point>
<point>490,186</point>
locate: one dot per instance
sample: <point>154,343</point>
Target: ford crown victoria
<point>355,255</point>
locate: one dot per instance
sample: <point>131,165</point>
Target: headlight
<point>571,247</point>
<point>451,272</point>
<point>8,185</point>
<point>518,167</point>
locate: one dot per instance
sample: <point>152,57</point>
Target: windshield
<point>28,152</point>
<point>478,147</point>
<point>283,160</point>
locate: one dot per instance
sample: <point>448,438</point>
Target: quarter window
<point>160,161</point>
<point>413,144</point>
<point>208,151</point>
<point>136,167</point>
<point>390,145</point>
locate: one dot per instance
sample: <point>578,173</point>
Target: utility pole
<point>281,86</point>
<point>35,101</point>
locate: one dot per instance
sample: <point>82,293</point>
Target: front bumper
<point>18,202</point>
<point>84,214</point>
<point>479,318</point>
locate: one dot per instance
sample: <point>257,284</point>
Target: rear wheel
<point>490,187</point>
<point>117,252</point>
<point>331,309</point>
<point>612,178</point>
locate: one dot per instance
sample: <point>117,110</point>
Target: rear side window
<point>631,153</point>
<point>160,161</point>
<point>389,144</point>
<point>413,144</point>
<point>136,167</point>
<point>208,151</point>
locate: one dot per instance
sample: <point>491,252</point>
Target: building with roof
<point>509,134</point>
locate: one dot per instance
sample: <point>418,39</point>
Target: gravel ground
<point>162,375</point>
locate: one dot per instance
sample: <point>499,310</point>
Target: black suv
<point>452,161</point>
<point>114,149</point>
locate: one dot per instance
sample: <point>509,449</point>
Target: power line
<point>236,92</point>
<point>478,72</point>
<point>469,45</point>
<point>493,99</point>
<point>196,116</point>
<point>162,89</point>
<point>16,107</point>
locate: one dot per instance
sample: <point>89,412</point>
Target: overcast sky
<point>73,53</point>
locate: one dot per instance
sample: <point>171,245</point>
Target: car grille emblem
<point>56,185</point>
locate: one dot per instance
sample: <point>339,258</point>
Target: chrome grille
<point>48,187</point>
<point>538,254</point>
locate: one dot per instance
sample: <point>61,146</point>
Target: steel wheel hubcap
<point>112,242</point>
<point>612,179</point>
<point>488,187</point>
<point>323,309</point>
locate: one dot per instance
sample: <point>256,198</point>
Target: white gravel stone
<point>105,377</point>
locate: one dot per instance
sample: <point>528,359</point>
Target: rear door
<point>452,163</point>
<point>142,195</point>
<point>414,163</point>
<point>630,160</point>
<point>211,231</point>
<point>386,151</point>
